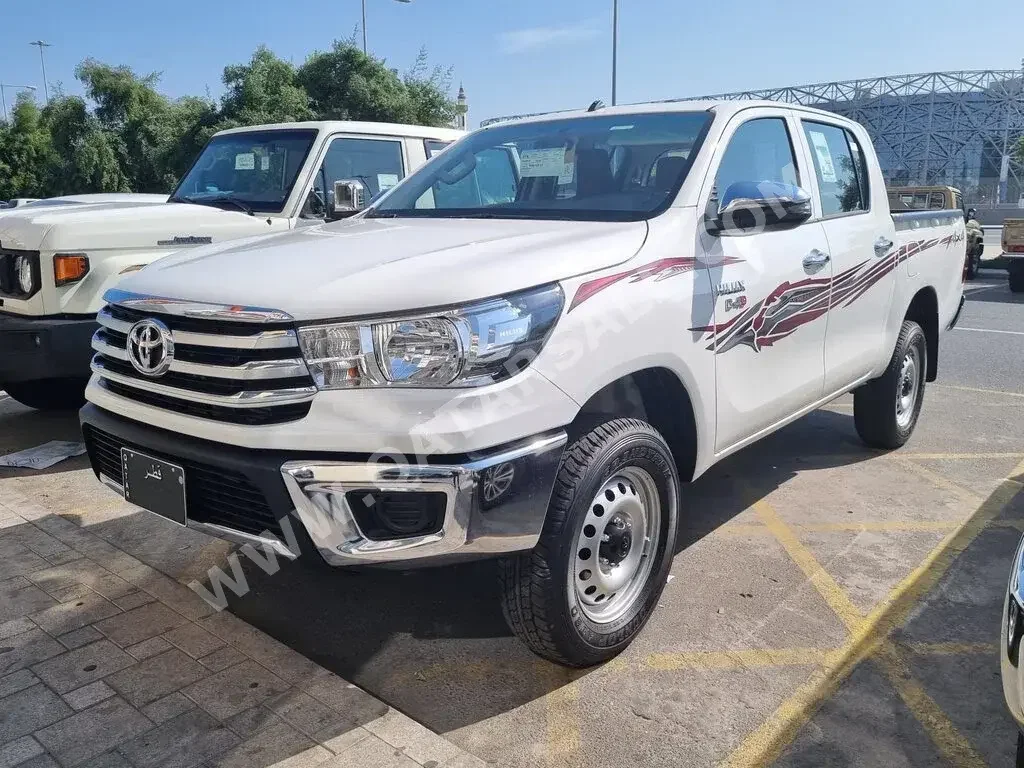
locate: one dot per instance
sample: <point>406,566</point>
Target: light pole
<point>364,20</point>
<point>41,44</point>
<point>3,97</point>
<point>615,43</point>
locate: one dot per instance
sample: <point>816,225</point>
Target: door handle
<point>816,260</point>
<point>882,246</point>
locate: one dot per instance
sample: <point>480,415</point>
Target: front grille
<point>9,286</point>
<point>212,494</point>
<point>235,372</point>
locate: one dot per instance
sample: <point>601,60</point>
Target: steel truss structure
<point>957,128</point>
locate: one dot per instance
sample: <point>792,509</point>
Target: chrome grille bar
<point>281,339</point>
<point>247,399</point>
<point>255,370</point>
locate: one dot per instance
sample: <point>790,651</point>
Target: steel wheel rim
<point>907,387</point>
<point>616,546</point>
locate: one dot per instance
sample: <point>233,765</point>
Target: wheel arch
<point>924,310</point>
<point>656,395</point>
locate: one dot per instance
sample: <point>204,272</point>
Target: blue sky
<point>526,55</point>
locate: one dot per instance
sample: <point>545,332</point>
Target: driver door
<point>771,287</point>
<point>377,162</point>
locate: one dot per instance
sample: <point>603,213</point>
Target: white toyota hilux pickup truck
<point>527,349</point>
<point>57,259</point>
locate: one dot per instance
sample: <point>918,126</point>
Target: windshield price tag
<point>542,162</point>
<point>264,162</point>
<point>386,180</point>
<point>245,161</point>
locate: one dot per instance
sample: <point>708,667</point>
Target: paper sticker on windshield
<point>245,161</point>
<point>828,168</point>
<point>542,162</point>
<point>264,162</point>
<point>386,180</point>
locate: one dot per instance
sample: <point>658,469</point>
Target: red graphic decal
<point>660,270</point>
<point>792,305</point>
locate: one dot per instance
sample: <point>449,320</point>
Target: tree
<point>346,84</point>
<point>263,91</point>
<point>25,151</point>
<point>82,157</point>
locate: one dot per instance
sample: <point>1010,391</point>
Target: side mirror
<point>748,207</point>
<point>349,198</point>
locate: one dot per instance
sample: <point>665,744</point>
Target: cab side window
<point>759,151</point>
<point>839,167</point>
<point>375,162</point>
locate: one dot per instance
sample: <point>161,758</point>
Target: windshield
<point>255,169</point>
<point>604,167</point>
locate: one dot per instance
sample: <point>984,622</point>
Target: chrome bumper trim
<point>509,521</point>
<point>248,399</point>
<point>219,531</point>
<point>256,370</point>
<point>280,339</point>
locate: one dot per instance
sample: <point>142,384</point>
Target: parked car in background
<point>58,258</point>
<point>545,333</point>
<point>939,199</point>
<point>1010,641</point>
<point>1013,252</point>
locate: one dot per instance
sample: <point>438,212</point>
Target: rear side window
<point>841,168</point>
<point>759,151</point>
<point>433,146</point>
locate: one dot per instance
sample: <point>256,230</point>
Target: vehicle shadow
<point>22,428</point>
<point>950,644</point>
<point>433,643</point>
<point>996,293</point>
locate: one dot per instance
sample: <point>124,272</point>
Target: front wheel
<point>885,409</point>
<point>594,578</point>
<point>49,394</point>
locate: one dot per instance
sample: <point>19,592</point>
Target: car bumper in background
<point>34,348</point>
<point>348,510</point>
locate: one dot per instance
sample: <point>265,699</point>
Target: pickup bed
<point>527,349</point>
<point>58,257</point>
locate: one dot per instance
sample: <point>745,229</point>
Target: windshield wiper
<point>214,201</point>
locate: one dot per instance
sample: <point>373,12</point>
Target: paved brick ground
<point>106,662</point>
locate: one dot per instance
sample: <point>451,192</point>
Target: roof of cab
<point>724,107</point>
<point>356,126</point>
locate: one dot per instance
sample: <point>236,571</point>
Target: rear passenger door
<point>770,286</point>
<point>859,241</point>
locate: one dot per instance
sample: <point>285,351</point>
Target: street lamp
<point>364,20</point>
<point>615,43</point>
<point>3,98</point>
<point>42,44</point>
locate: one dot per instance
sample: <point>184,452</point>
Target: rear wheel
<point>885,409</point>
<point>49,394</point>
<point>594,578</point>
<point>1019,762</point>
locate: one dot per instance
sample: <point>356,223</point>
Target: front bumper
<point>34,348</point>
<point>255,496</point>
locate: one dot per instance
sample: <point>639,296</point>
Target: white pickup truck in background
<point>58,257</point>
<point>527,349</point>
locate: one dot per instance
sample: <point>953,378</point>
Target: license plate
<point>154,484</point>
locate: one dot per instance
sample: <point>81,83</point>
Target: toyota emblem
<point>150,347</point>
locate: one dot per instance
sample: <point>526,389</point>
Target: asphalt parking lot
<point>829,604</point>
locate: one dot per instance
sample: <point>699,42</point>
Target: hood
<point>141,225</point>
<point>374,266</point>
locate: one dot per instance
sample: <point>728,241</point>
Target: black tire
<point>49,394</point>
<point>540,604</point>
<point>1019,762</point>
<point>875,403</point>
<point>1017,279</point>
<point>973,263</point>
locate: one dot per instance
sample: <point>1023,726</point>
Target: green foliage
<point>127,136</point>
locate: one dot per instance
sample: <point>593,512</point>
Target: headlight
<point>23,268</point>
<point>468,346</point>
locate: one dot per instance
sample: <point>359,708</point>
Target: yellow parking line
<point>747,657</point>
<point>978,389</point>
<point>563,728</point>
<point>938,480</point>
<point>951,743</point>
<point>880,525</point>
<point>952,649</point>
<point>818,576</point>
<point>763,745</point>
<point>930,456</point>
